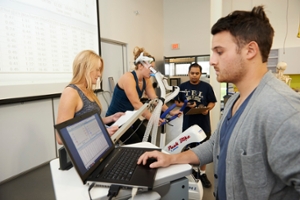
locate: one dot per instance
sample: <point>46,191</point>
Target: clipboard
<point>123,119</point>
<point>196,111</point>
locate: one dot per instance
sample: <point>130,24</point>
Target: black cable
<point>90,187</point>
<point>132,133</point>
<point>113,191</point>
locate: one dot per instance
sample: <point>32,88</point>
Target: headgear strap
<point>143,58</point>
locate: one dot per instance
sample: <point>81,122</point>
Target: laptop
<point>94,155</point>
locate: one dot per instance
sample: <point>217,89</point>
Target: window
<point>179,66</point>
<point>182,69</point>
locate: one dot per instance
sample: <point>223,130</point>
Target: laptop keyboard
<point>124,167</point>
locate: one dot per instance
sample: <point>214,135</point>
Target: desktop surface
<point>68,185</point>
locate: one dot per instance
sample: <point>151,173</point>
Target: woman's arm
<point>150,92</point>
<point>67,107</point>
<point>128,84</point>
<point>112,118</point>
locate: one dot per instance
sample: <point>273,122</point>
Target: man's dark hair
<point>247,26</point>
<point>195,65</point>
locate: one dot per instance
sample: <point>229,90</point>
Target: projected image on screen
<point>39,40</point>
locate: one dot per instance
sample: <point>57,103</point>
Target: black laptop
<point>96,159</point>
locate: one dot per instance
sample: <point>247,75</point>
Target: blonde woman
<point>78,97</point>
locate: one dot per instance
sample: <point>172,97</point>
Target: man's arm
<point>165,160</point>
<point>282,160</point>
<point>210,105</point>
<point>203,151</point>
<point>179,103</point>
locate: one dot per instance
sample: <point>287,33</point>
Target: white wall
<point>186,23</point>
<point>27,136</point>
<point>119,22</point>
<point>284,16</point>
<point>114,63</point>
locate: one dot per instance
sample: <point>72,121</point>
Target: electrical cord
<point>113,191</point>
<point>89,189</point>
<point>132,133</point>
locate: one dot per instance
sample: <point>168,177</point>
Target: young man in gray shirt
<point>255,148</point>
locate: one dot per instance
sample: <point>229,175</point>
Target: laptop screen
<point>87,141</point>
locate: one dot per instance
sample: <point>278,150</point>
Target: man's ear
<point>252,50</point>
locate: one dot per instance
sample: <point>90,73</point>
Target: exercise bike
<point>184,141</point>
<point>190,138</point>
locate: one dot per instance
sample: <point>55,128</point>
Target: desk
<point>68,185</point>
